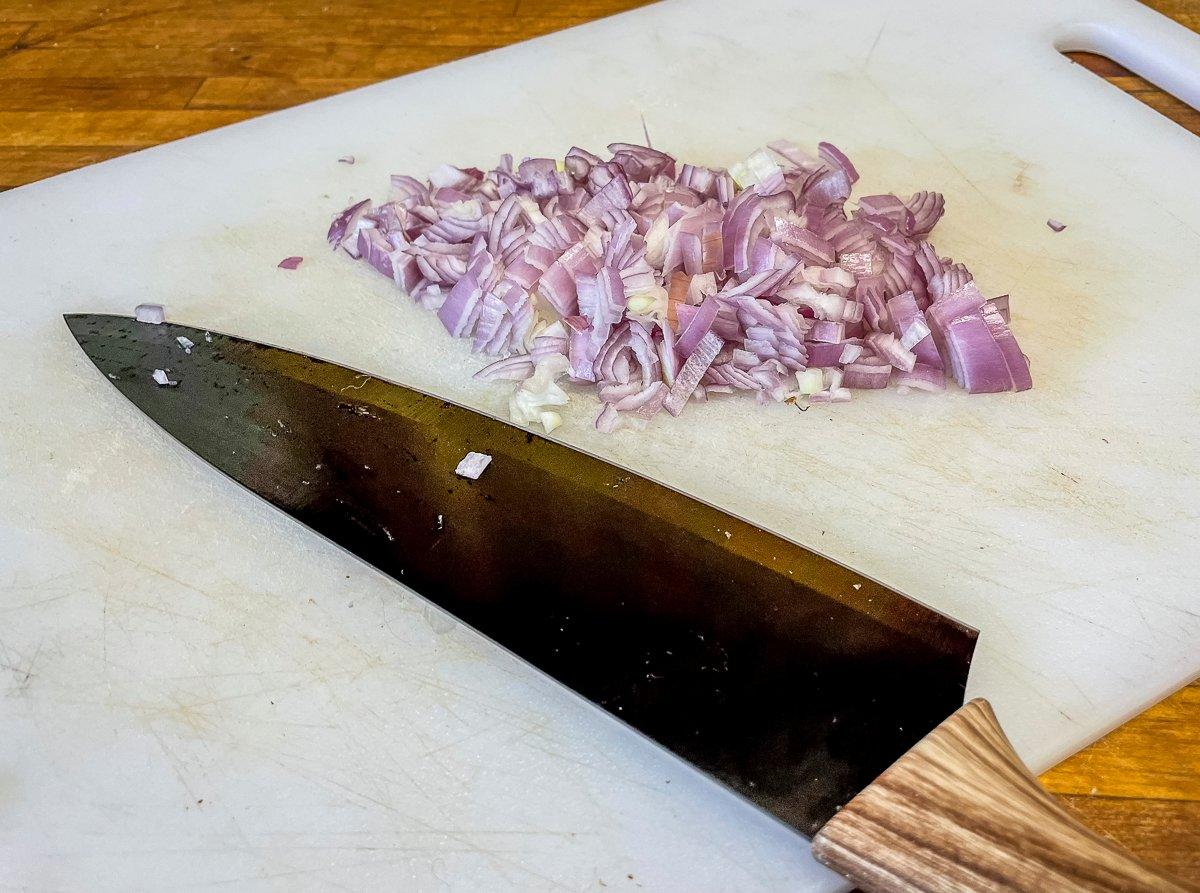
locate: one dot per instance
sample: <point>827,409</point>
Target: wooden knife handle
<point>960,812</point>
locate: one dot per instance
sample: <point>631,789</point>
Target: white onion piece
<point>837,395</point>
<point>472,465</point>
<point>850,352</point>
<point>810,381</point>
<point>916,331</point>
<point>531,403</point>
<point>149,313</point>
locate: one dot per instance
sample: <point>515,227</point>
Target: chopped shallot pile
<point>657,282</point>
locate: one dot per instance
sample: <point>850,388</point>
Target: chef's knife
<point>785,676</point>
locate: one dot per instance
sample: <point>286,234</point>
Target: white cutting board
<point>197,690</point>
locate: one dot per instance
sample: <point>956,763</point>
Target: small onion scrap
<point>150,313</point>
<point>657,283</point>
<point>472,465</point>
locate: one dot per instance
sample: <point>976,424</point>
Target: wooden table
<point>85,80</point>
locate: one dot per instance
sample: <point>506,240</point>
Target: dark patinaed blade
<point>783,675</point>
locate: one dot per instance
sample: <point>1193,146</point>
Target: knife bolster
<point>960,812</point>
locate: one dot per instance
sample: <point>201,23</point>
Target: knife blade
<point>783,675</point>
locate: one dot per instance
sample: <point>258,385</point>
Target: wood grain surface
<point>86,80</point>
<point>960,813</point>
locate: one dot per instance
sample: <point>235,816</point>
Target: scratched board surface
<point>197,690</point>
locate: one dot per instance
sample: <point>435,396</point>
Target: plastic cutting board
<point>196,689</point>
